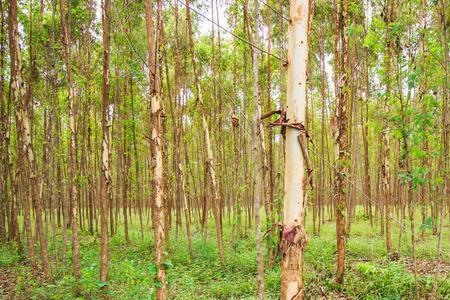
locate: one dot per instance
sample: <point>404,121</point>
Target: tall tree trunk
<point>156,142</point>
<point>66,28</point>
<point>177,113</point>
<point>90,164</point>
<point>136,164</point>
<point>365,137</point>
<point>125,163</point>
<point>105,179</point>
<point>294,235</point>
<point>342,139</point>
<point>20,193</point>
<point>385,168</point>
<point>4,133</point>
<point>8,170</point>
<point>209,154</point>
<point>445,141</point>
<point>258,151</point>
<point>20,98</point>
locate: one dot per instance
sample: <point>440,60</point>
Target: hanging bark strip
<point>303,138</point>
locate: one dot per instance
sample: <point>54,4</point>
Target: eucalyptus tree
<point>23,122</point>
<point>294,235</point>
<point>258,147</point>
<point>153,59</point>
<point>341,136</point>
<point>209,163</point>
<point>66,24</point>
<point>105,179</point>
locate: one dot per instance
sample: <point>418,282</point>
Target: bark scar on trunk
<point>294,235</point>
<point>235,121</point>
<point>290,236</point>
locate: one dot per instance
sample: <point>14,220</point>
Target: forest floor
<point>369,274</point>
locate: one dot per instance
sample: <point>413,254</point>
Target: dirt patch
<point>321,293</point>
<point>9,276</point>
<point>426,267</point>
<point>8,280</point>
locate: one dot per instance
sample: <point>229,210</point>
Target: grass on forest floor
<point>369,275</point>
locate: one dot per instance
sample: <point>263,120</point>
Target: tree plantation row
<point>224,149</point>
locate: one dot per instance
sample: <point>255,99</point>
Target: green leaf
<point>152,269</point>
<point>167,264</point>
<point>100,283</point>
<point>428,225</point>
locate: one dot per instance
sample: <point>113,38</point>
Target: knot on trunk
<point>234,121</point>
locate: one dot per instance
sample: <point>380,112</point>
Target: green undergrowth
<point>369,274</point>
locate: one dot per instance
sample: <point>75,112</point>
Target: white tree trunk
<point>294,193</point>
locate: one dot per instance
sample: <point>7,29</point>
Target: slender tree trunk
<point>186,212</point>
<point>105,179</point>
<point>156,143</point>
<point>125,165</point>
<point>136,164</point>
<point>209,153</point>
<point>322,173</point>
<point>259,188</point>
<point>385,168</point>
<point>423,92</point>
<point>66,28</point>
<point>19,94</point>
<point>4,133</point>
<point>20,192</point>
<point>365,138</point>
<point>445,142</point>
<point>8,170</point>
<point>89,160</point>
<point>342,140</point>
